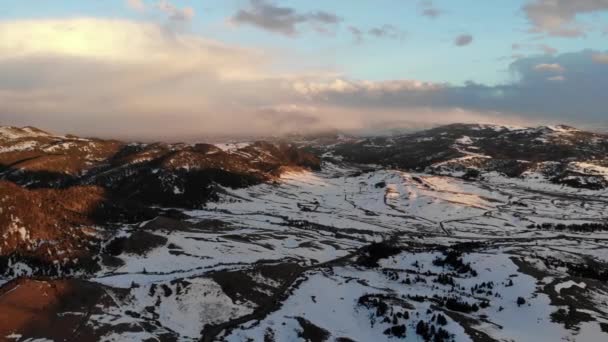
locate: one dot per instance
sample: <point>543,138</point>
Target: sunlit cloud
<point>559,17</point>
<point>554,67</point>
<point>601,58</point>
<point>128,78</point>
<point>556,78</point>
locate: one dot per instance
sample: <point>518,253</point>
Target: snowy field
<point>216,280</point>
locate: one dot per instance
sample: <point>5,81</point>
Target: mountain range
<point>137,241</point>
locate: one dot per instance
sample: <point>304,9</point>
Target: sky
<point>168,69</point>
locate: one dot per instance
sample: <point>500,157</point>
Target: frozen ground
<point>413,289</point>
<point>497,259</point>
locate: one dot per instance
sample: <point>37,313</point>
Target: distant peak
<point>562,128</point>
<point>12,132</point>
<point>482,127</point>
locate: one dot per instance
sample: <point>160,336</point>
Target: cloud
<point>284,20</point>
<point>427,9</point>
<point>573,96</point>
<point>357,34</point>
<point>132,77</point>
<point>549,50</point>
<point>137,5</point>
<point>463,40</point>
<point>288,118</point>
<point>545,67</point>
<point>360,87</point>
<point>601,58</point>
<point>386,31</point>
<point>139,80</point>
<point>558,17</point>
<point>174,13</point>
<point>431,12</point>
<point>122,42</point>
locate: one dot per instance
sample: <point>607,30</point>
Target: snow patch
<point>464,140</point>
<point>568,284</point>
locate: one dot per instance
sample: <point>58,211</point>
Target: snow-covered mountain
<point>458,233</point>
<point>52,184</point>
<point>35,159</point>
<point>558,154</point>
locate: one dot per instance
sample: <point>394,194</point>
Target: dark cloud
<point>324,17</point>
<point>431,12</point>
<point>428,9</point>
<point>284,20</point>
<point>463,40</point>
<point>558,17</point>
<point>568,87</point>
<point>385,32</point>
<point>357,34</point>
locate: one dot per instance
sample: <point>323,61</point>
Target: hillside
<point>174,174</point>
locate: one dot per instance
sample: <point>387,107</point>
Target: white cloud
<point>136,79</point>
<point>546,67</point>
<point>124,43</point>
<point>370,88</point>
<point>90,74</point>
<point>556,78</point>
